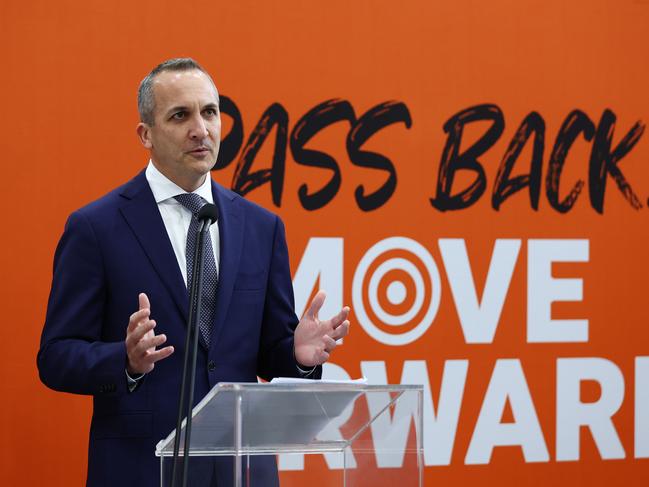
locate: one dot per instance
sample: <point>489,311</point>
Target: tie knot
<point>191,201</point>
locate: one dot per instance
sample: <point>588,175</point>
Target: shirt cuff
<point>133,381</point>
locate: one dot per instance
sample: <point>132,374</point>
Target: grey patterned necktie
<point>194,203</point>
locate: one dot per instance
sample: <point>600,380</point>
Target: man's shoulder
<point>249,207</point>
<point>114,199</point>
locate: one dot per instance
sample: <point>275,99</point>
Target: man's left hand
<point>315,339</point>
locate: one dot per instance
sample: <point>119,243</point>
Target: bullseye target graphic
<point>396,291</point>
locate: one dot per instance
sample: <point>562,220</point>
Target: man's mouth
<point>202,150</point>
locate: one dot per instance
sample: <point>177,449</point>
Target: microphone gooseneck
<point>207,215</point>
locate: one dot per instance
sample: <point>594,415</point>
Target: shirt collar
<point>164,189</point>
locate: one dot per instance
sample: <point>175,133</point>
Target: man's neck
<point>187,183</point>
<point>190,186</point>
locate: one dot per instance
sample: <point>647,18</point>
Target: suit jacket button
<point>211,366</point>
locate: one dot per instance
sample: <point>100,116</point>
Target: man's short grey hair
<point>145,99</point>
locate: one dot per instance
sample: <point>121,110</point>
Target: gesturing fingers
<point>141,329</point>
<point>146,353</point>
<point>340,331</point>
<point>340,317</point>
<point>141,342</point>
<point>141,314</point>
<point>145,361</point>
<point>136,318</point>
<point>324,356</point>
<point>146,344</point>
<point>143,301</point>
<point>315,305</point>
<point>141,348</point>
<point>344,313</point>
<point>329,343</point>
<point>314,340</point>
<point>156,355</point>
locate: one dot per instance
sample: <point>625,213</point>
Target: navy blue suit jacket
<point>117,247</point>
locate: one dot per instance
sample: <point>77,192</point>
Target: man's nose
<point>198,128</point>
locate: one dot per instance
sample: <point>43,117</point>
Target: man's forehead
<point>175,76</point>
<point>183,83</point>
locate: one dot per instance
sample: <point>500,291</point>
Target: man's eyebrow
<point>177,108</point>
<point>211,105</point>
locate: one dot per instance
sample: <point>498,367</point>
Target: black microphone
<point>207,215</point>
<point>208,212</point>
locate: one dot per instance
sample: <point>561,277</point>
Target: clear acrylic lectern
<point>371,435</point>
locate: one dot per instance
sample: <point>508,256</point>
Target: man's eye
<point>210,112</point>
<point>178,115</point>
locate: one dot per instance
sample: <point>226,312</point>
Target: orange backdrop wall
<point>503,140</point>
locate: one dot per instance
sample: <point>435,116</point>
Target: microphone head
<point>208,212</point>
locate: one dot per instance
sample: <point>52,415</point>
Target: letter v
<point>479,319</point>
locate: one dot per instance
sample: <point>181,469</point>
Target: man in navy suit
<point>115,324</point>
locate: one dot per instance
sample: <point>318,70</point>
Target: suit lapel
<point>143,217</point>
<point>231,228</point>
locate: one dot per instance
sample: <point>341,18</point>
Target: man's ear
<point>144,133</point>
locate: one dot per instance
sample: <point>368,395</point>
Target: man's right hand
<point>141,341</point>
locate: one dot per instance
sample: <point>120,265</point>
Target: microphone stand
<point>191,351</point>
